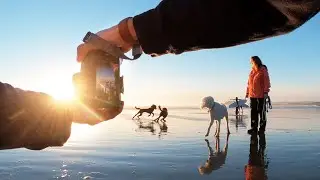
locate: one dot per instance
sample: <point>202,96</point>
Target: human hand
<point>111,35</point>
<point>266,95</point>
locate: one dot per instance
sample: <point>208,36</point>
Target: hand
<point>266,95</point>
<point>111,35</point>
<point>247,95</point>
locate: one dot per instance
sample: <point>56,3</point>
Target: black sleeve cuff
<point>148,27</point>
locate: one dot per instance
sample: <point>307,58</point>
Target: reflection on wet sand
<point>257,166</point>
<point>216,158</point>
<point>239,121</point>
<point>150,126</point>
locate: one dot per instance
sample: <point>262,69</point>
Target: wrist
<point>127,32</point>
<point>132,30</point>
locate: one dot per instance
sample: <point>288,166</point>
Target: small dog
<point>149,111</point>
<point>217,113</point>
<point>163,114</point>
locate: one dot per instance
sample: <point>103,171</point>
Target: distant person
<point>257,90</point>
<point>172,27</point>
<point>238,107</point>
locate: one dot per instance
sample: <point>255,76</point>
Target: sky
<point>39,41</point>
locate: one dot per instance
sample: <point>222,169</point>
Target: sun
<point>61,90</point>
<point>63,94</point>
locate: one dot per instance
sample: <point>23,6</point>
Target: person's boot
<point>252,131</point>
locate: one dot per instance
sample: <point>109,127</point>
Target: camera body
<point>99,85</point>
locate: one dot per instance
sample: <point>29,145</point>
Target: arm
<point>177,26</point>
<point>266,82</point>
<point>247,91</point>
<point>31,119</point>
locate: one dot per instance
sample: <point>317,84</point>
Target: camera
<point>99,85</point>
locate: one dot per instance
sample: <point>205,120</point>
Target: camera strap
<point>110,48</point>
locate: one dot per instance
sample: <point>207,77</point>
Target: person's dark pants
<point>256,105</point>
<point>237,110</point>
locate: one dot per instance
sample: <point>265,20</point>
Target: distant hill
<point>307,103</point>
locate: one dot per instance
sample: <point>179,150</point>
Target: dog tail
<point>137,108</point>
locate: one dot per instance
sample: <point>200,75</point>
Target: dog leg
<point>163,120</point>
<point>208,131</point>
<point>157,119</point>
<point>227,119</point>
<point>215,134</point>
<point>217,147</point>
<point>134,116</point>
<point>218,128</point>
<point>225,149</point>
<point>209,148</point>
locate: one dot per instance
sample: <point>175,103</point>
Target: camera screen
<point>106,84</point>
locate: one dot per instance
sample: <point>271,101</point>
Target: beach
<point>122,149</point>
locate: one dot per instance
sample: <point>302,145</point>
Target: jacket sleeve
<point>32,120</point>
<point>248,84</point>
<point>247,92</point>
<point>266,82</point>
<point>177,26</point>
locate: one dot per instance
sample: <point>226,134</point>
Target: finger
<point>82,51</point>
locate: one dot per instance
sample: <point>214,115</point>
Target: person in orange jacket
<point>257,90</point>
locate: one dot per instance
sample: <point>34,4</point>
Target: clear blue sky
<point>38,51</point>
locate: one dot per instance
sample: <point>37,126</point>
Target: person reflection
<point>216,159</point>
<point>238,121</point>
<point>257,166</point>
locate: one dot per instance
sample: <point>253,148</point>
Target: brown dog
<point>163,114</point>
<point>149,111</point>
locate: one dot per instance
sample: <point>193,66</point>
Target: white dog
<point>217,112</point>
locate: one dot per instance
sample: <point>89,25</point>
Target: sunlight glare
<point>62,94</point>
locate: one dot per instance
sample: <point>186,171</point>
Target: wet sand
<point>124,149</point>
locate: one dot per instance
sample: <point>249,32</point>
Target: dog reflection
<point>216,159</point>
<point>163,129</point>
<point>149,126</point>
<point>257,166</point>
